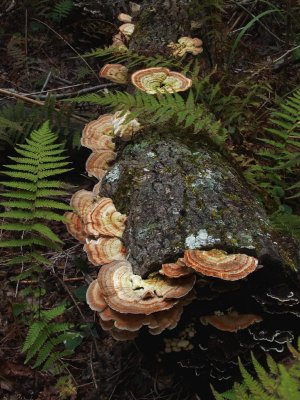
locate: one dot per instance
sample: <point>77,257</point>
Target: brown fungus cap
<point>125,130</point>
<point>121,336</point>
<point>126,292</point>
<point>175,270</point>
<point>104,250</point>
<point>156,322</point>
<point>124,18</point>
<point>127,29</point>
<point>219,264</point>
<point>231,322</point>
<point>98,134</point>
<point>81,201</point>
<point>114,72</point>
<point>185,45</point>
<point>94,298</point>
<point>160,80</point>
<point>98,163</point>
<point>104,219</point>
<point>75,226</point>
<point>118,44</point>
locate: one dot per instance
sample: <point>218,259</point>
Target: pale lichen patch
<point>113,175</point>
<point>202,238</point>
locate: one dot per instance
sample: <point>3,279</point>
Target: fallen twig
<point>37,102</point>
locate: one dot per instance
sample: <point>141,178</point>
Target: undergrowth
<point>17,121</point>
<point>279,381</point>
<point>31,202</point>
<point>277,168</point>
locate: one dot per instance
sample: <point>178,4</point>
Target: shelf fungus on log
<point>123,129</point>
<point>127,30</point>
<point>160,80</point>
<point>98,163</point>
<point>114,72</point>
<point>128,293</point>
<point>104,219</point>
<point>118,44</point>
<point>104,250</point>
<point>231,322</point>
<point>185,45</point>
<point>75,226</point>
<point>175,270</point>
<point>126,18</point>
<point>99,134</point>
<point>81,201</point>
<point>219,264</point>
<point>94,298</point>
<point>126,306</point>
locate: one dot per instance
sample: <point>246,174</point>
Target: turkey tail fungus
<point>173,221</point>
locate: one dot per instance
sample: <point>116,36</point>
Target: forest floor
<point>43,55</point>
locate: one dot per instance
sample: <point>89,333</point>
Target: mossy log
<point>181,197</point>
<point>178,193</point>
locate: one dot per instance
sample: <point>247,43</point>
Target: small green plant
<point>45,336</point>
<point>276,172</point>
<point>30,200</point>
<point>280,381</point>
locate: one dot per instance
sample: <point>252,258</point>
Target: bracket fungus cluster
<point>219,264</point>
<point>99,135</point>
<point>160,80</point>
<point>150,80</point>
<point>126,302</point>
<point>126,30</point>
<point>186,45</point>
<point>231,322</point>
<point>114,72</point>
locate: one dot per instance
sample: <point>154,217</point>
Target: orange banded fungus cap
<point>231,322</point>
<point>128,293</point>
<point>114,72</point>
<point>104,219</point>
<point>219,264</point>
<point>160,80</point>
<point>104,250</point>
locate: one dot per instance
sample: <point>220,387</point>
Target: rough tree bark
<point>178,193</point>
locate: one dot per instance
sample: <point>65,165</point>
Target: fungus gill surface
<point>186,45</point>
<point>160,80</point>
<point>114,72</point>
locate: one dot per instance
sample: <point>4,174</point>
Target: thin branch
<point>69,45</point>
<point>38,103</point>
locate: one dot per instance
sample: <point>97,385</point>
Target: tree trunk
<point>177,193</point>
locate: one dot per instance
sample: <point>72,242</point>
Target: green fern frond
<point>38,344</point>
<point>281,382</point>
<point>33,334</point>
<point>46,231</point>
<point>269,384</point>
<point>49,315</point>
<point>44,353</point>
<point>281,156</point>
<point>44,338</point>
<point>160,109</point>
<point>19,185</point>
<point>132,58</point>
<point>254,387</point>
<point>61,10</point>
